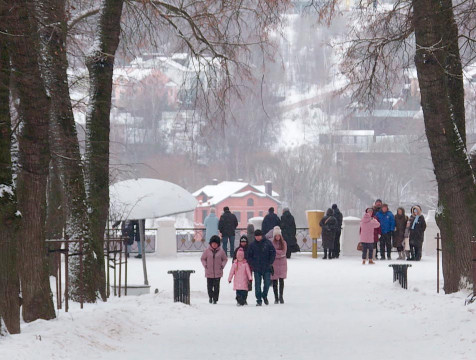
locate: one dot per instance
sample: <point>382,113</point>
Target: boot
<point>275,290</point>
<point>325,254</point>
<point>281,290</point>
<point>389,256</point>
<point>371,262</point>
<point>363,262</point>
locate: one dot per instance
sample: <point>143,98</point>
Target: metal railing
<point>193,239</point>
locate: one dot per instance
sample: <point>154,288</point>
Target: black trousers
<point>278,295</point>
<point>336,251</point>
<point>213,287</point>
<point>385,242</point>
<point>241,296</point>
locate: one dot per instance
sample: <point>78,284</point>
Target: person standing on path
<point>339,217</point>
<point>270,221</point>
<point>241,272</point>
<point>227,226</point>
<point>288,229</point>
<point>211,225</point>
<point>368,224</point>
<point>399,234</point>
<point>261,255</point>
<point>387,224</point>
<point>329,226</point>
<point>280,265</point>
<point>214,260</point>
<point>417,232</point>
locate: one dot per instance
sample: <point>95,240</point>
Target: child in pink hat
<point>241,272</point>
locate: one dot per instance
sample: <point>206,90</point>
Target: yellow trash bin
<point>313,219</point>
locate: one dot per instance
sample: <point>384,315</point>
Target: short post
<point>81,269</point>
<point>474,265</point>
<point>181,285</point>
<point>438,263</point>
<point>66,275</point>
<point>120,267</point>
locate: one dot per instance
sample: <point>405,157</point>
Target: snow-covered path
<point>334,310</point>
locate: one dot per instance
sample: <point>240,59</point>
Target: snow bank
<point>335,309</point>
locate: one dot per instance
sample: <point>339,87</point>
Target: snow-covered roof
<point>388,113</point>
<point>225,189</point>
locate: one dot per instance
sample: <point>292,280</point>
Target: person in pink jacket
<point>280,265</point>
<point>214,260</point>
<point>241,272</point>
<point>368,224</point>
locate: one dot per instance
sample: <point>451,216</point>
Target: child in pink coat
<point>242,273</point>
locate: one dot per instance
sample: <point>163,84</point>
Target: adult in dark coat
<point>417,232</point>
<point>329,226</point>
<point>270,221</point>
<point>227,226</point>
<point>288,230</point>
<point>399,233</point>
<point>339,217</point>
<point>261,255</point>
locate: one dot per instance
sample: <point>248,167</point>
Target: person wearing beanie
<point>280,265</point>
<point>243,246</point>
<point>261,255</point>
<point>214,260</point>
<point>339,217</point>
<point>227,226</point>
<point>270,221</point>
<point>329,227</point>
<point>241,274</point>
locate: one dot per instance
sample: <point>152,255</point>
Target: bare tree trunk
<point>65,150</point>
<point>9,281</point>
<point>33,160</point>
<point>440,76</point>
<point>100,64</point>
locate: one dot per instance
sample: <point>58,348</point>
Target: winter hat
<point>215,239</point>
<point>240,254</point>
<point>329,212</point>
<point>276,231</point>
<point>334,206</point>
<point>369,208</point>
<point>418,208</point>
<point>378,200</point>
<point>271,209</point>
<point>244,238</point>
<point>226,208</point>
<point>258,232</point>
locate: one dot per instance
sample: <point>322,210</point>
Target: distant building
<point>243,199</point>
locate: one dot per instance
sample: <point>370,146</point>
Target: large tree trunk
<point>100,64</point>
<point>9,281</point>
<point>440,76</point>
<point>33,160</point>
<point>66,154</point>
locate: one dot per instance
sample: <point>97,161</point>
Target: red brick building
<point>243,199</point>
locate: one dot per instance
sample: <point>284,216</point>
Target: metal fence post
<point>438,263</point>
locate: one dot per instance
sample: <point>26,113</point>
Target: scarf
<point>415,222</point>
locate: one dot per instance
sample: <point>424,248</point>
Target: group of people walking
<point>265,258</point>
<point>380,226</point>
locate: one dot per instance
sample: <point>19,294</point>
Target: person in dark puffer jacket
<point>270,221</point>
<point>261,255</point>
<point>227,226</point>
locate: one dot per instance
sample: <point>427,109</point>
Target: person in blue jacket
<point>387,225</point>
<point>261,255</point>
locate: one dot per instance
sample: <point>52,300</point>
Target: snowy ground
<point>334,310</point>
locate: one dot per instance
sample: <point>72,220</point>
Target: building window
<point>250,202</point>
<point>238,215</point>
<point>249,215</point>
<point>261,213</point>
<point>204,215</point>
